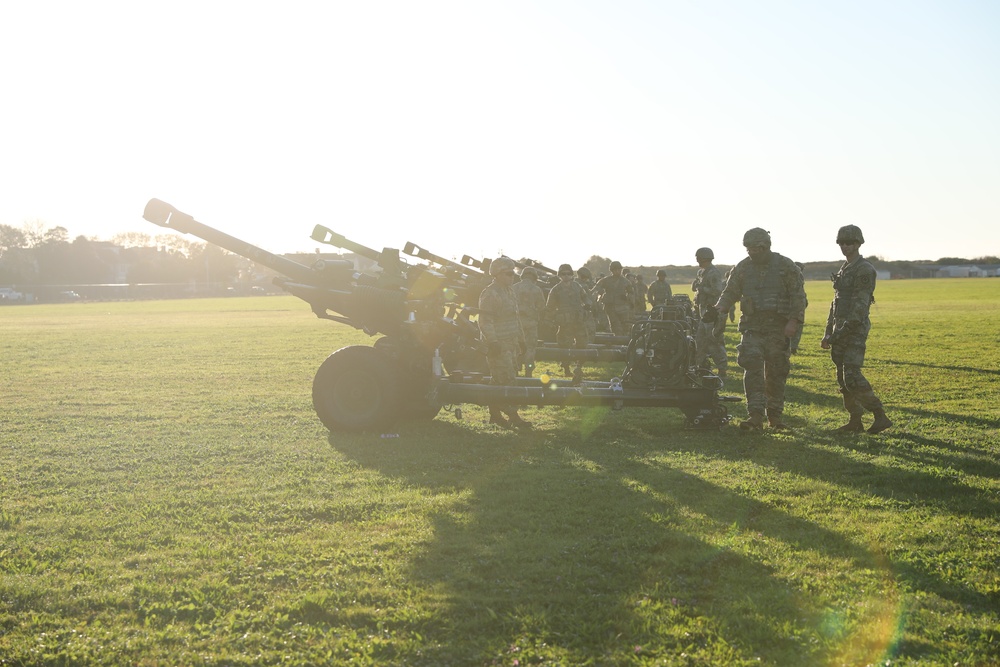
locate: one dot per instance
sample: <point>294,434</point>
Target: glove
<point>710,316</point>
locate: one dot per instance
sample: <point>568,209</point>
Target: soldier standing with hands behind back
<point>847,330</point>
<point>616,294</point>
<point>500,328</point>
<point>772,300</point>
<point>707,286</point>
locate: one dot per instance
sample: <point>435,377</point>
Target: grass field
<point>169,498</point>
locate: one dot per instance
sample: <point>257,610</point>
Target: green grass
<point>167,496</point>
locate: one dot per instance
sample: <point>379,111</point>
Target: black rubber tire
<point>355,390</point>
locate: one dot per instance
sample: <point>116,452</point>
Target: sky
<point>549,129</point>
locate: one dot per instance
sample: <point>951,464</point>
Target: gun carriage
<point>428,353</point>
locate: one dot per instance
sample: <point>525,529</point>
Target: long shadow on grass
<point>961,369</point>
<point>893,484</point>
<point>796,395</point>
<point>579,544</point>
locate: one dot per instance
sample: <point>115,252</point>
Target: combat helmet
<point>584,273</point>
<point>706,253</point>
<point>565,269</point>
<point>849,234</point>
<point>660,273</point>
<point>501,264</point>
<point>757,237</point>
<point>529,273</point>
<point>615,265</point>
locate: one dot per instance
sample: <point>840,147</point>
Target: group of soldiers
<point>768,286</point>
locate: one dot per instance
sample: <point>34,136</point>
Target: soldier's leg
<point>865,397</point>
<point>530,348</point>
<point>851,404</point>
<point>776,369</point>
<point>702,344</point>
<point>719,355</point>
<point>504,374</point>
<point>750,357</point>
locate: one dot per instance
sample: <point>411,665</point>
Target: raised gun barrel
<point>422,253</point>
<point>163,214</point>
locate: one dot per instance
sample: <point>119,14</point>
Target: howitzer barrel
<point>325,235</point>
<point>163,214</point>
<point>422,253</point>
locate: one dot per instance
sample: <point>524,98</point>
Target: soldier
<point>639,285</point>
<point>530,306</point>
<point>615,293</point>
<point>567,307</point>
<point>797,338</point>
<point>709,339</point>
<point>847,332</point>
<point>500,328</point>
<point>659,292</point>
<point>590,322</point>
<point>772,306</point>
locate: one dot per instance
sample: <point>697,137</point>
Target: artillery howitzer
<point>429,353</point>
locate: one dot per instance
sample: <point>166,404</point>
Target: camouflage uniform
<point>770,293</point>
<point>567,306</point>
<point>709,338</point>
<point>846,336</point>
<point>638,295</point>
<point>590,321</point>
<point>659,292</point>
<point>530,305</point>
<point>500,328</point>
<point>615,293</point>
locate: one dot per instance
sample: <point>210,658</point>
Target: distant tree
<point>952,260</point>
<point>988,259</point>
<point>597,265</point>
<point>11,237</point>
<point>58,235</point>
<point>132,240</point>
<point>34,232</point>
<point>175,244</point>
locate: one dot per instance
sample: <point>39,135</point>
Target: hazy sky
<point>554,130</point>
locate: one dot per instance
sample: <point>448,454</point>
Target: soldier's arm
<point>487,306</point>
<point>797,291</point>
<point>864,289</point>
<point>732,292</point>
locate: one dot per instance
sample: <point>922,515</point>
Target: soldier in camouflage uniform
<point>793,346</point>
<point>847,330</point>
<point>586,280</point>
<point>639,285</point>
<point>567,307</point>
<point>659,291</point>
<point>615,293</point>
<point>772,300</point>
<point>530,306</point>
<point>709,339</point>
<point>500,329</point>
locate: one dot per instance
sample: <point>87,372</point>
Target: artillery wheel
<point>354,390</point>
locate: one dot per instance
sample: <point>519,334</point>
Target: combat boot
<point>516,421</point>
<point>528,368</point>
<point>754,422</point>
<point>881,422</point>
<point>855,410</point>
<point>496,417</point>
<point>852,426</point>
<point>774,421</point>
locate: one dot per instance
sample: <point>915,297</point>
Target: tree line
<point>33,256</point>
